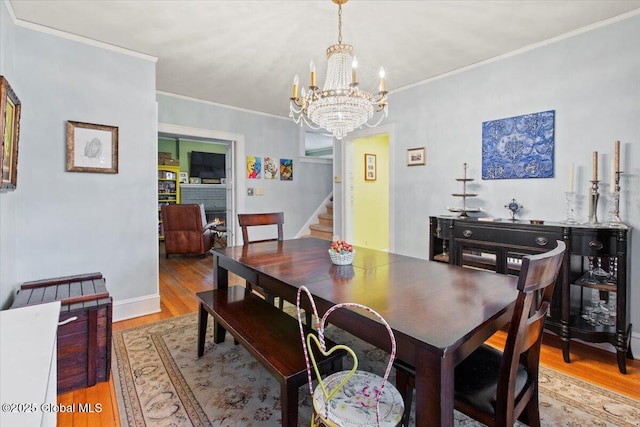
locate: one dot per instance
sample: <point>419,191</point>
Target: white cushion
<point>354,405</point>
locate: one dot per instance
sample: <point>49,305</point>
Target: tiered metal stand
<point>464,209</point>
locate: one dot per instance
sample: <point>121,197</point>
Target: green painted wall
<point>181,149</point>
<point>166,145</point>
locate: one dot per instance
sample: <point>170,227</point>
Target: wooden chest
<point>84,331</point>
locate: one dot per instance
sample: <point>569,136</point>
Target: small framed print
<point>92,148</point>
<point>370,167</point>
<point>184,177</point>
<point>416,156</point>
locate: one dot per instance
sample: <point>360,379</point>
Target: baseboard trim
<point>135,307</point>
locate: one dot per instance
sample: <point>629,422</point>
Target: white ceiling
<point>245,53</point>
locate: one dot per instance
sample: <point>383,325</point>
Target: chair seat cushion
<point>354,405</point>
<point>476,379</point>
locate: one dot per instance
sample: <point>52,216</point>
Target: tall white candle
<point>571,178</point>
<point>613,175</point>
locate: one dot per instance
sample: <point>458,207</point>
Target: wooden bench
<point>270,335</point>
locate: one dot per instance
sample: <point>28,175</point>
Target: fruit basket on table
<point>341,252</point>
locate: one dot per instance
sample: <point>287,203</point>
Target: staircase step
<point>326,219</point>
<point>321,231</point>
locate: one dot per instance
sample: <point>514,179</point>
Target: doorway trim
<point>237,147</point>
<point>347,172</point>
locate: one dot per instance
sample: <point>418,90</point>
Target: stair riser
<point>327,222</point>
<point>321,235</point>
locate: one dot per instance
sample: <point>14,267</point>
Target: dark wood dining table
<point>439,313</point>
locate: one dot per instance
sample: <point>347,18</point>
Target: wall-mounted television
<point>207,165</point>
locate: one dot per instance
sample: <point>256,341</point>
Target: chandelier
<point>340,106</point>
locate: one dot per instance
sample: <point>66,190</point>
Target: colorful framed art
<point>10,108</point>
<point>519,147</point>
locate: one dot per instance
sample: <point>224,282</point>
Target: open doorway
<point>368,171</point>
<point>203,169</point>
<point>232,145</point>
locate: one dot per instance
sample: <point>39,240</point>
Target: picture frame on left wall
<point>10,108</point>
<point>92,148</point>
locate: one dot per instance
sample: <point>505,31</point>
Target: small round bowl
<point>341,259</point>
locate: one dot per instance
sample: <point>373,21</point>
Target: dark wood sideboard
<point>500,245</point>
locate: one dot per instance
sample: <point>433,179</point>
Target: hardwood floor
<point>182,277</point>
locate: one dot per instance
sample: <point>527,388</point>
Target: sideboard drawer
<point>593,242</point>
<point>535,239</point>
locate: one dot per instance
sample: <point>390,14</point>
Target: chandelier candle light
<point>340,106</point>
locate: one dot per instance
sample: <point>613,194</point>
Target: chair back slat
<point>534,327</point>
<point>260,219</point>
<point>538,276</point>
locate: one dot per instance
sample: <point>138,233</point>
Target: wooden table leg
<point>289,405</point>
<point>219,332</point>
<point>220,275</point>
<point>220,281</point>
<point>203,316</point>
<point>434,390</point>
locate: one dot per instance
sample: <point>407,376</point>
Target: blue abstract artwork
<point>519,147</point>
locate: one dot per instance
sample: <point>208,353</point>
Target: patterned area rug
<point>160,381</point>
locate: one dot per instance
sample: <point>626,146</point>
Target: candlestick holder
<point>570,197</point>
<point>593,203</point>
<point>614,213</point>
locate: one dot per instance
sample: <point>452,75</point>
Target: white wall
<point>69,223</point>
<point>591,80</point>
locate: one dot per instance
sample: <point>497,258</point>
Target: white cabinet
<point>28,363</point>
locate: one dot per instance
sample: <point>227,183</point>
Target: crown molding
<point>531,47</point>
<point>74,37</point>
<point>231,107</point>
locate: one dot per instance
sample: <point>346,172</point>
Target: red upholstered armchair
<point>186,230</point>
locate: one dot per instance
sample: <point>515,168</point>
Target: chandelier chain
<point>340,23</point>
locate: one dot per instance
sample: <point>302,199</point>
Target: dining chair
<point>498,387</point>
<point>353,398</point>
<point>261,219</point>
<point>247,221</point>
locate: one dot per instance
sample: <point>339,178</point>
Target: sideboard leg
<point>622,362</point>
<point>565,338</point>
<point>565,351</point>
